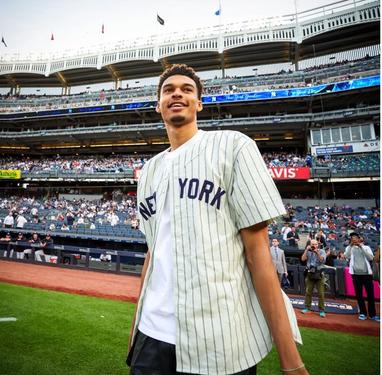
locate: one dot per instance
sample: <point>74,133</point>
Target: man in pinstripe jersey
<point>210,300</point>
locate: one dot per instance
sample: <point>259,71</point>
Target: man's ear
<point>200,106</point>
<point>157,108</point>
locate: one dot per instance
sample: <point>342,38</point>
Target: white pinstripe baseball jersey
<point>217,187</point>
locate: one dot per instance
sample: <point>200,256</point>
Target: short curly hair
<point>183,70</point>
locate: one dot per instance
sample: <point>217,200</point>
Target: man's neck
<point>180,135</point>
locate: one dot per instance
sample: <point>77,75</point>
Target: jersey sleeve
<point>254,196</point>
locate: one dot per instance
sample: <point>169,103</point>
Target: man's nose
<point>177,92</point>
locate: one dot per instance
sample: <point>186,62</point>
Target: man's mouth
<point>177,105</point>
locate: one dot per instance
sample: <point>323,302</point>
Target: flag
<point>52,37</point>
<point>103,29</point>
<point>160,20</point>
<point>219,11</point>
<point>3,41</point>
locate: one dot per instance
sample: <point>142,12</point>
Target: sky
<point>27,25</point>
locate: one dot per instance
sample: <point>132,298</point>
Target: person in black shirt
<point>34,241</point>
<point>293,237</point>
<point>45,245</point>
<point>19,248</point>
<point>8,251</point>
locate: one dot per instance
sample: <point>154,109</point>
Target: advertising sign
<point>302,173</point>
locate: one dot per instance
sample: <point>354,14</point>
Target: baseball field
<point>60,333</point>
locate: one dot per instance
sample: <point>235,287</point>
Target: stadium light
<point>15,147</point>
<point>118,144</point>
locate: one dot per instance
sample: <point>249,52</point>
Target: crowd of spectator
<point>60,214</point>
<point>227,85</point>
<point>128,163</point>
<point>76,164</point>
<point>64,214</point>
<point>329,225</point>
<point>286,159</point>
<point>351,162</point>
<point>335,63</point>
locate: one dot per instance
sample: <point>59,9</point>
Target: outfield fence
<point>337,281</point>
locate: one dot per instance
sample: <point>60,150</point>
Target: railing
<point>79,176</point>
<point>369,66</point>
<point>329,173</point>
<point>372,168</point>
<point>128,262</point>
<point>212,99</point>
<point>233,122</point>
<point>84,235</point>
<point>291,27</point>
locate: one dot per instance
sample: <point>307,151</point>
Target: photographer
<point>360,270</point>
<point>315,259</point>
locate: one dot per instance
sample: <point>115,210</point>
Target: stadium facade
<point>313,90</point>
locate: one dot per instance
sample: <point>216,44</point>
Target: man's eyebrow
<point>188,84</point>
<point>172,85</point>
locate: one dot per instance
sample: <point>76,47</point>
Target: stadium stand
<point>357,164</point>
<point>70,163</point>
<point>323,73</point>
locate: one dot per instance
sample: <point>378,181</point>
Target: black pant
<point>360,281</point>
<point>152,357</point>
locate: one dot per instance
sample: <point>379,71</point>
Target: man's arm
<point>143,275</point>
<point>304,256</point>
<point>368,253</point>
<point>347,253</point>
<point>268,290</point>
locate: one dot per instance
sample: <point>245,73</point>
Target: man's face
<point>355,240</point>
<point>179,103</point>
<point>314,243</point>
<point>275,243</point>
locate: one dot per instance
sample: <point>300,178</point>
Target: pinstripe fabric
<point>217,186</point>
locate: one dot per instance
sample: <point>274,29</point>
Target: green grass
<point>332,353</point>
<point>58,333</point>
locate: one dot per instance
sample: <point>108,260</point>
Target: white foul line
<point>8,319</point>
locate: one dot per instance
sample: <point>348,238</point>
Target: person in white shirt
<point>20,221</point>
<point>34,212</point>
<point>9,221</point>
<point>210,301</point>
<point>360,257</point>
<point>64,227</point>
<point>105,257</point>
<point>114,219</point>
<point>284,231</point>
